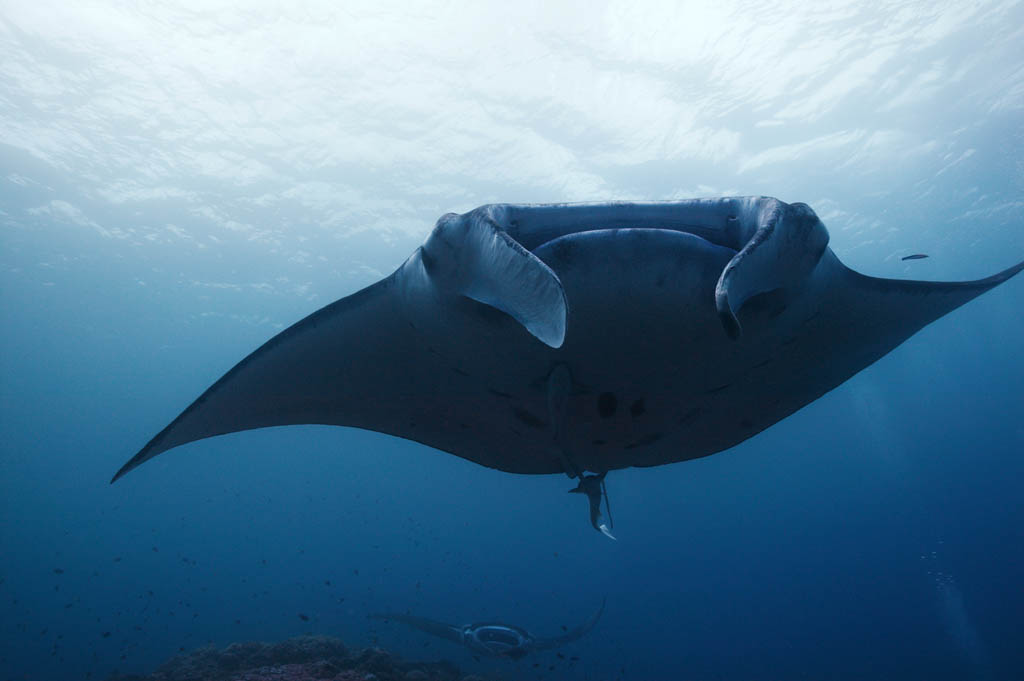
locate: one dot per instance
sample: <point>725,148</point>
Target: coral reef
<point>305,658</point>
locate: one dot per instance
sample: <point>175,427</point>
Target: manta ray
<point>566,338</point>
<point>493,638</point>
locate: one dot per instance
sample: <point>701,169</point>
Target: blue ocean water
<point>178,184</point>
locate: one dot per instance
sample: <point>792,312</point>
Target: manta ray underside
<point>494,638</point>
<point>582,337</point>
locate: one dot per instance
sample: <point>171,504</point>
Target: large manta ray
<point>582,337</point>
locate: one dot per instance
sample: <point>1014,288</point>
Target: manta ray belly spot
<point>607,404</point>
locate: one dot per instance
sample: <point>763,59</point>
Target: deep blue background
<point>874,534</point>
<point>812,550</point>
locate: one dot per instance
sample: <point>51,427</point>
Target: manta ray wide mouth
<point>500,636</point>
<point>703,234</point>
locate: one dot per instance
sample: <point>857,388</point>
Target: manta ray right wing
<point>571,635</point>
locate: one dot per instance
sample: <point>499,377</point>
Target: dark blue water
<point>176,189</point>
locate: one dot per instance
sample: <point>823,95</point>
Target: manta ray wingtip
<point>120,473</point>
<point>1012,271</point>
<point>131,464</point>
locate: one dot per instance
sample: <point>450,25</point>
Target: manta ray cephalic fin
<point>781,254</point>
<point>472,255</point>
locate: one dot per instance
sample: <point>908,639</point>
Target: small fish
<point>915,256</point>
<point>58,571</point>
<point>304,618</point>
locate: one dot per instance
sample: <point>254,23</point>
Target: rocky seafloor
<point>305,658</point>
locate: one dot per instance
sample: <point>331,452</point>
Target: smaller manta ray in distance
<point>915,256</point>
<point>493,638</point>
<point>575,338</point>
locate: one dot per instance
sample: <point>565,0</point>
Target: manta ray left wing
<point>344,354</point>
<point>363,362</point>
<point>449,632</point>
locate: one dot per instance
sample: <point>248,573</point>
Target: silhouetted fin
<point>439,629</point>
<point>571,635</point>
<point>919,302</point>
<point>869,316</point>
